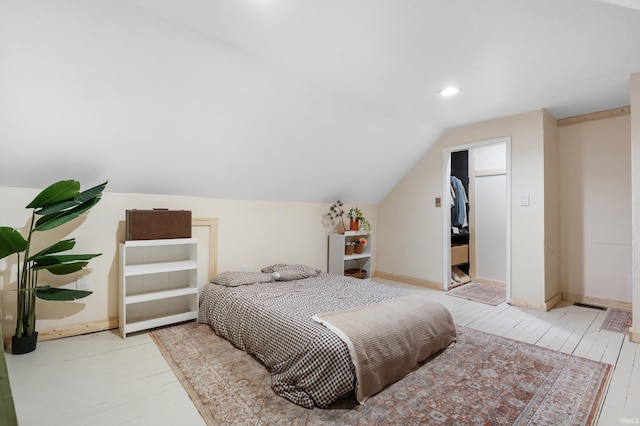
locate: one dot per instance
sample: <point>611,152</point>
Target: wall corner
<point>634,85</point>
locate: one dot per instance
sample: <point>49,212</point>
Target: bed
<point>277,316</point>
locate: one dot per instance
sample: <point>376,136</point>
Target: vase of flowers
<point>335,217</point>
<point>357,221</point>
<point>360,244</point>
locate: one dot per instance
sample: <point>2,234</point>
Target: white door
<point>489,213</point>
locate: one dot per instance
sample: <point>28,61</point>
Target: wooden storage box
<point>459,254</point>
<point>157,224</point>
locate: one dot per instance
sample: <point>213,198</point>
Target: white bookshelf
<point>158,283</point>
<point>339,261</point>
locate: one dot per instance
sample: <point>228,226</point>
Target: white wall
<point>410,229</point>
<point>552,185</point>
<point>595,184</point>
<point>635,201</point>
<point>490,211</point>
<point>255,233</point>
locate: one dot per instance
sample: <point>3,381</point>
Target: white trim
<point>446,218</point>
<point>446,212</point>
<point>508,275</point>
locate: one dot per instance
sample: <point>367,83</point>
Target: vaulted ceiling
<point>294,100</point>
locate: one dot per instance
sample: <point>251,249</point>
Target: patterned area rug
<point>481,379</point>
<point>618,321</point>
<point>483,293</point>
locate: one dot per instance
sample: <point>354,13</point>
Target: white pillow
<point>286,272</point>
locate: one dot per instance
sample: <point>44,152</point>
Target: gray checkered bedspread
<point>309,364</point>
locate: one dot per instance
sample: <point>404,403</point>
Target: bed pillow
<point>286,272</point>
<point>236,278</point>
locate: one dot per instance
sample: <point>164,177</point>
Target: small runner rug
<point>481,379</point>
<point>483,293</point>
<point>618,321</point>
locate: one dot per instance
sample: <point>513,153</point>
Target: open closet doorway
<point>476,207</point>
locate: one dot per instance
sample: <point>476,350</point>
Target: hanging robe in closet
<point>459,210</point>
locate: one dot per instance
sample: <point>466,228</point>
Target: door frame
<point>446,212</point>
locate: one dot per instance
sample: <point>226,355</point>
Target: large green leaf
<point>90,193</point>
<point>54,220</point>
<point>63,268</point>
<point>65,258</point>
<point>57,207</point>
<point>60,246</point>
<point>95,192</point>
<point>61,294</point>
<point>11,242</point>
<point>59,191</point>
<point>43,262</point>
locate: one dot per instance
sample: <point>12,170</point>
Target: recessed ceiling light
<point>450,91</point>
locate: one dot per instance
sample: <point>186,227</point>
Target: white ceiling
<point>334,88</point>
<point>568,56</point>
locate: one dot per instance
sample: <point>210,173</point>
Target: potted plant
<point>360,244</point>
<point>56,205</point>
<point>357,221</point>
<point>348,247</point>
<point>335,216</point>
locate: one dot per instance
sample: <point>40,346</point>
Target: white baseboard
<point>408,280</point>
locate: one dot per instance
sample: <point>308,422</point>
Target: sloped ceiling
<point>293,100</point>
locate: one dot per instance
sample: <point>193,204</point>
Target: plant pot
<point>359,249</point>
<point>24,344</point>
<point>348,250</point>
<point>354,225</point>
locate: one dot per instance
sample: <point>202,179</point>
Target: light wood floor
<point>100,379</point>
